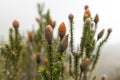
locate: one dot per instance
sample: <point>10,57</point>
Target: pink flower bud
<point>71,16</point>
<point>96,19</point>
<point>100,34</point>
<point>15,24</point>
<point>49,33</point>
<point>109,30</point>
<point>88,21</point>
<point>86,7</point>
<point>30,36</point>
<point>38,57</point>
<point>104,77</point>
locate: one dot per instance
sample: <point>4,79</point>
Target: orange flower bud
<point>87,11</point>
<point>38,57</point>
<point>85,61</point>
<point>49,33</point>
<point>86,7</point>
<point>64,44</point>
<point>15,24</point>
<point>84,64</point>
<point>71,16</point>
<point>100,34</point>
<point>46,61</point>
<point>62,30</point>
<point>96,19</point>
<point>30,36</point>
<point>109,30</point>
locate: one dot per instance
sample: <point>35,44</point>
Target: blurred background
<point>25,11</point>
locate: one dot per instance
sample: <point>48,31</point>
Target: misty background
<point>25,11</point>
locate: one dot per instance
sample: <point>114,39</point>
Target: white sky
<point>26,10</point>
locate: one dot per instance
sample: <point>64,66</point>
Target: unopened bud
<point>53,24</point>
<point>86,7</point>
<point>62,30</point>
<point>96,19</point>
<point>37,19</point>
<point>50,20</point>
<point>30,36</point>
<point>88,21</point>
<point>46,61</point>
<point>49,33</point>
<point>100,34</point>
<point>87,11</point>
<point>104,77</point>
<point>38,57</point>
<point>71,16</point>
<point>109,30</point>
<point>84,64</point>
<point>15,24</point>
<point>64,44</point>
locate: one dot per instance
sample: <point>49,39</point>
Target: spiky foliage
<point>40,56</point>
<point>87,57</point>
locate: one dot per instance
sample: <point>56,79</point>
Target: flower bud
<point>88,21</point>
<point>50,20</point>
<point>109,30</point>
<point>104,77</point>
<point>30,36</point>
<point>15,24</point>
<point>49,34</point>
<point>84,64</point>
<point>87,11</point>
<point>86,7</point>
<point>53,24</point>
<point>62,30</point>
<point>37,19</point>
<point>71,16</point>
<point>38,57</point>
<point>63,44</point>
<point>100,34</point>
<point>46,61</point>
<point>96,19</point>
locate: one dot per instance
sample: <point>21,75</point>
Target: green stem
<point>80,76</point>
<point>95,28</point>
<point>71,31</point>
<point>16,38</point>
<point>85,76</point>
<point>70,65</point>
<point>50,59</point>
<point>62,67</point>
<point>37,74</point>
<point>98,52</point>
<point>71,45</point>
<point>76,67</point>
<point>84,38</point>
